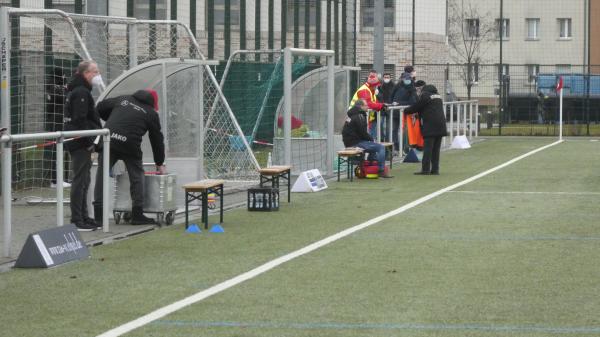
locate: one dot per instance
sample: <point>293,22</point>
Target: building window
<point>533,71</point>
<point>564,28</point>
<point>533,27</point>
<point>563,68</point>
<point>301,13</point>
<point>503,26</point>
<point>473,73</point>
<point>502,71</point>
<point>367,14</point>
<point>141,9</point>
<point>219,14</point>
<point>472,28</point>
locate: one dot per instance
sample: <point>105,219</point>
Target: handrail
<point>7,141</point>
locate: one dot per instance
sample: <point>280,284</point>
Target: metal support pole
<point>378,36</point>
<point>330,112</point>
<point>60,155</point>
<point>465,119</point>
<point>4,69</point>
<point>377,128</point>
<point>287,105</point>
<point>164,105</point>
<point>201,173</point>
<point>105,180</point>
<point>471,123</point>
<point>401,133</point>
<point>451,122</point>
<point>132,42</point>
<point>7,195</point>
<point>477,119</point>
<point>560,122</point>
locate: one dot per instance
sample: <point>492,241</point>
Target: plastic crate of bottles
<point>264,199</point>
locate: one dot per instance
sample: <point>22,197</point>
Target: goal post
<point>288,54</point>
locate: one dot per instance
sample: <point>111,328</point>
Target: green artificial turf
<point>461,264</point>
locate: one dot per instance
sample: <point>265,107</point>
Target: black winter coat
<point>129,118</point>
<point>355,128</point>
<point>431,109</point>
<point>386,90</point>
<point>80,113</point>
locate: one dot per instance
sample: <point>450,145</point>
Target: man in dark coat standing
<point>354,133</point>
<point>80,114</point>
<point>431,109</point>
<point>129,118</point>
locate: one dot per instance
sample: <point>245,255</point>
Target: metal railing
<point>7,143</point>
<point>462,118</point>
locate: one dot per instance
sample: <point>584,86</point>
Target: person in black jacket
<point>129,118</point>
<point>354,134</point>
<point>80,114</point>
<point>431,109</point>
<point>404,94</point>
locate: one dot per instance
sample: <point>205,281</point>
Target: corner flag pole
<point>559,87</point>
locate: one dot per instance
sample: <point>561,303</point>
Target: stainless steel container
<point>159,196</point>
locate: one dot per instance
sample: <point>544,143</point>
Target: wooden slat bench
<point>273,173</point>
<point>349,156</point>
<point>199,190</point>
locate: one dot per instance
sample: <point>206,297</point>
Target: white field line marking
<point>527,192</point>
<point>199,296</point>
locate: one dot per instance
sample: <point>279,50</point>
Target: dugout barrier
<point>8,141</point>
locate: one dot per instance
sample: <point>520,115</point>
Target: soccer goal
<point>253,83</point>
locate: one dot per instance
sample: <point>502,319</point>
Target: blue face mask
<point>407,82</point>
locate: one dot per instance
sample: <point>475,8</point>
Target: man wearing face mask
<point>129,118</point>
<point>80,114</point>
<point>385,95</point>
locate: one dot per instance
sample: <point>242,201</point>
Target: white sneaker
<point>65,185</point>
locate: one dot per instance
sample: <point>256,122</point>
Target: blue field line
<point>380,326</point>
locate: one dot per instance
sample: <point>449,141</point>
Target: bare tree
<point>470,34</point>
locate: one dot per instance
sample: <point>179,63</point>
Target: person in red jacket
<point>368,93</point>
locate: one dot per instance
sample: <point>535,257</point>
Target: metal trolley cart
<point>159,197</point>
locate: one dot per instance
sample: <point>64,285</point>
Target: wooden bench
<point>389,151</point>
<point>199,190</point>
<point>349,156</point>
<point>273,173</point>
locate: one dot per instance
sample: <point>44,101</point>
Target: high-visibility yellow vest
<point>355,97</point>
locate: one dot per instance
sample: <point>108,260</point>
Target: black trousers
<point>431,154</point>
<point>135,170</point>
<point>81,164</point>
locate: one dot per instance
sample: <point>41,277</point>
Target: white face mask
<point>97,81</point>
<point>386,80</point>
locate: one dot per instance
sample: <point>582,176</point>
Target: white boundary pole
<point>560,122</point>
<point>7,194</point>
<point>59,182</point>
<point>330,112</point>
<point>287,106</point>
<point>105,180</point>
<point>200,149</point>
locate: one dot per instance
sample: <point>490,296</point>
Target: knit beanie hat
<point>154,97</point>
